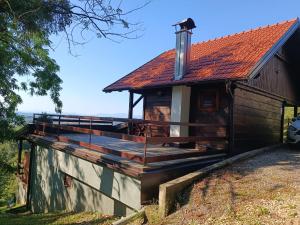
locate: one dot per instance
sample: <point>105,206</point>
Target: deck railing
<point>57,125</point>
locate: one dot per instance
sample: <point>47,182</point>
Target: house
<point>201,103</point>
<point>242,80</point>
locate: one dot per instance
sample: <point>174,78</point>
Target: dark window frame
<point>214,98</point>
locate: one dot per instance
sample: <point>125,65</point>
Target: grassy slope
<point>8,161</point>
<point>59,218</point>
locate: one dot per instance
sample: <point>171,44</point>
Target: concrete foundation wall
<point>21,192</point>
<point>93,187</point>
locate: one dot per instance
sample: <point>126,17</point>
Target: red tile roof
<point>230,57</point>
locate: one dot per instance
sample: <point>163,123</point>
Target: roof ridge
<point>232,63</point>
<point>237,33</point>
<point>247,31</point>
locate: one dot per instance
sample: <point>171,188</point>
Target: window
<point>208,101</point>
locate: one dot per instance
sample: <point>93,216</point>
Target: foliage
<point>24,43</point>
<point>8,163</point>
<point>288,116</point>
<point>44,118</point>
<point>25,30</point>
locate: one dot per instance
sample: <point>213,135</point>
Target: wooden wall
<point>157,106</point>
<point>257,120</point>
<point>278,76</point>
<point>257,115</point>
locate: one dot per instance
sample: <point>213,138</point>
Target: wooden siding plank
<point>257,120</point>
<point>278,77</point>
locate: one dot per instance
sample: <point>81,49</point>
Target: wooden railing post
<point>44,126</point>
<point>58,127</point>
<point>58,130</point>
<point>130,111</point>
<point>33,119</point>
<point>145,146</point>
<point>90,139</point>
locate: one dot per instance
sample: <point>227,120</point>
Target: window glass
<point>208,101</point>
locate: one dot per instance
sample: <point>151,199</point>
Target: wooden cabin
<point>243,81</point>
<point>201,103</point>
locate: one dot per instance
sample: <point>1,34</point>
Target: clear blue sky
<point>102,62</point>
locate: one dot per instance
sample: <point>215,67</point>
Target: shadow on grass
<point>21,216</point>
<point>17,210</point>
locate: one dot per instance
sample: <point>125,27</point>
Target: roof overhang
<point>172,84</point>
<point>269,54</point>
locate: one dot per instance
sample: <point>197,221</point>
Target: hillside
<point>261,190</point>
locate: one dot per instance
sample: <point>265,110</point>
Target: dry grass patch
<point>19,216</point>
<point>262,190</point>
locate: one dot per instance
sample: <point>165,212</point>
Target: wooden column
<point>231,125</point>
<point>282,121</point>
<point>230,89</point>
<point>130,111</point>
<point>295,111</point>
<point>20,148</point>
<point>31,163</point>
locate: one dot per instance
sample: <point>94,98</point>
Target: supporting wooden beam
<point>282,121</point>
<point>20,148</point>
<point>231,132</point>
<point>137,101</point>
<point>130,110</point>
<point>231,127</point>
<point>31,158</point>
<point>295,111</point>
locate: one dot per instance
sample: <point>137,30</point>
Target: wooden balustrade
<point>53,125</point>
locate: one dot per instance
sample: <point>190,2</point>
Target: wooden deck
<point>151,175</point>
<point>139,153</point>
<point>129,146</point>
<point>120,147</point>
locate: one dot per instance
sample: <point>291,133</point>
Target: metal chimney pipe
<point>183,47</point>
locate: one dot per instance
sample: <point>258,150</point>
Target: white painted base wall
<point>180,110</point>
<point>21,192</point>
<point>94,187</point>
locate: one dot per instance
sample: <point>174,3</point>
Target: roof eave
<point>188,83</point>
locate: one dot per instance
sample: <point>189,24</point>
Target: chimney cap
<point>186,24</point>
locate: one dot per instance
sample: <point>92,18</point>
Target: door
<point>209,105</point>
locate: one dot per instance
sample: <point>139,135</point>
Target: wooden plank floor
<point>125,165</point>
<point>129,146</point>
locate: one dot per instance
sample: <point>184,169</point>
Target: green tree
<point>8,166</point>
<point>25,30</point>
